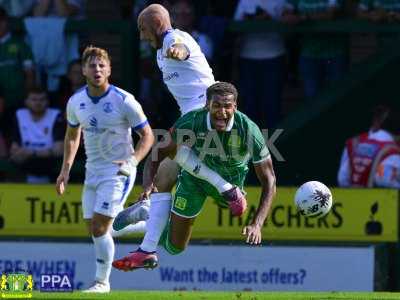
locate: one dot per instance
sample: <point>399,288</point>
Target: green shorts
<point>190,194</point>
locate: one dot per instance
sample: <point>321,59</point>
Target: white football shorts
<point>105,193</point>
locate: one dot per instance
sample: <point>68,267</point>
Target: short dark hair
<point>222,89</point>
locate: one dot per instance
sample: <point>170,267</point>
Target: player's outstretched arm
<point>71,145</point>
<point>266,176</point>
<point>178,52</point>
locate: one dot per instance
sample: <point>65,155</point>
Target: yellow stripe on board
<point>357,215</point>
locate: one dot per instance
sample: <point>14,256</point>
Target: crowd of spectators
<point>261,64</point>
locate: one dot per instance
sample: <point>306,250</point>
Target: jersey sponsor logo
<point>234,141</point>
<point>180,203</point>
<point>82,106</point>
<point>105,205</point>
<point>171,76</point>
<point>93,122</point>
<point>107,107</point>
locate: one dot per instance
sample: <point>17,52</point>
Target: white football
<point>313,199</point>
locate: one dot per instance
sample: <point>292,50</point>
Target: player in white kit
<point>106,115</point>
<point>187,75</point>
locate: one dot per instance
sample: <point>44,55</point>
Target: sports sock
<point>171,249</point>
<point>104,249</point>
<point>189,161</point>
<point>139,227</point>
<point>160,207</point>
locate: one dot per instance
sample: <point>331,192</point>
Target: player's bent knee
<point>98,231</point>
<point>167,173</point>
<point>99,227</point>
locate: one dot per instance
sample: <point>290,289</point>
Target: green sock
<point>165,242</point>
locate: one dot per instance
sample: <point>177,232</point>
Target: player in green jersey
<point>226,140</point>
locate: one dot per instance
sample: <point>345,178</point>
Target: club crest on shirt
<point>107,107</point>
<point>180,203</point>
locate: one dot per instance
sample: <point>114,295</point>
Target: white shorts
<point>105,193</point>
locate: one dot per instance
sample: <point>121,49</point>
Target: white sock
<point>160,207</point>
<point>104,249</point>
<point>189,161</point>
<point>139,227</point>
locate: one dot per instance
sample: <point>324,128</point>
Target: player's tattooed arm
<point>178,51</point>
<point>266,176</point>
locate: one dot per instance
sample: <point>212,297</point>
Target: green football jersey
<point>227,153</point>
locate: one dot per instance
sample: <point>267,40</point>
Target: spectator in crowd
<point>17,8</point>
<point>261,63</point>
<point>213,22</point>
<point>37,140</point>
<point>16,66</point>
<point>69,84</point>
<point>323,56</point>
<point>52,48</point>
<point>380,11</point>
<point>183,17</point>
<point>61,8</point>
<point>373,158</point>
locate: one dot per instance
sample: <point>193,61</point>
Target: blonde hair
<point>91,51</point>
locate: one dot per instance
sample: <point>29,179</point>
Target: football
<point>313,199</point>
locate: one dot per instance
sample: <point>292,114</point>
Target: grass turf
<point>178,295</point>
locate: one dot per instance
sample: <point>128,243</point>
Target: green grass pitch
<point>195,295</point>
